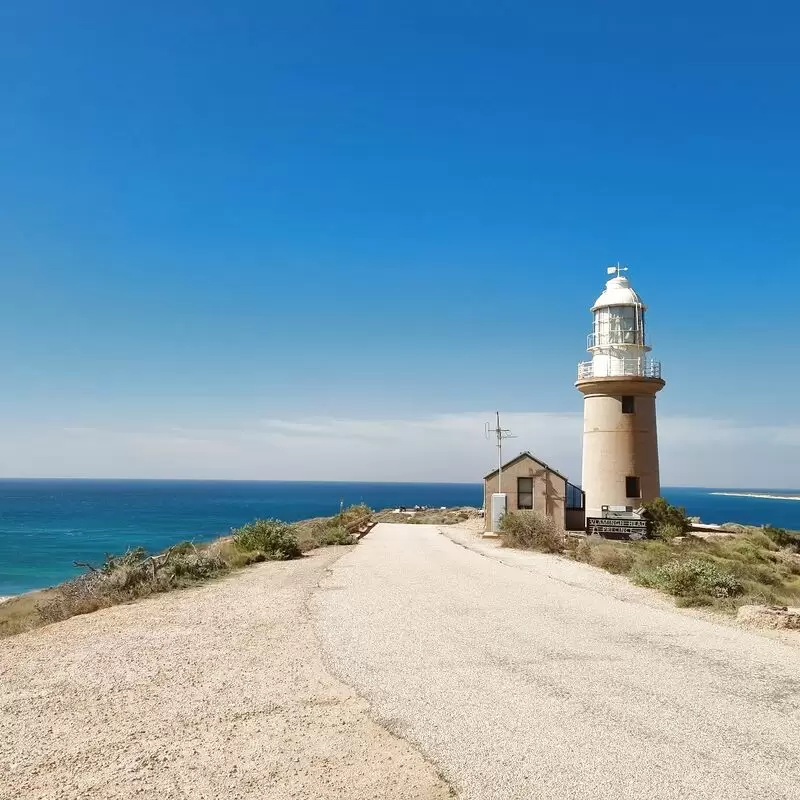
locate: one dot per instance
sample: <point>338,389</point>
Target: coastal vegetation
<point>668,520</point>
<point>532,530</point>
<point>136,574</point>
<point>431,516</point>
<point>742,565</point>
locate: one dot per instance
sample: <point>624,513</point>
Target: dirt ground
<point>207,693</point>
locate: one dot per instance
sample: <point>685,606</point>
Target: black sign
<point>611,528</point>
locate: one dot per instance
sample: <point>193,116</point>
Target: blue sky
<point>324,240</point>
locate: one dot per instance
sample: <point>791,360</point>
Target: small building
<point>530,484</point>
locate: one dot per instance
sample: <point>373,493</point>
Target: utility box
<point>499,506</point>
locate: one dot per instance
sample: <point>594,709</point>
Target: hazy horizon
<point>179,479</point>
<point>443,449</point>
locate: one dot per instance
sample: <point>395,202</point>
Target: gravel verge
<point>213,692</point>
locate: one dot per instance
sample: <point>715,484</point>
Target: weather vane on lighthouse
<point>618,268</point>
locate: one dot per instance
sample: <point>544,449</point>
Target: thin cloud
<point>447,447</point>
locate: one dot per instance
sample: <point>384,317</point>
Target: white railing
<point>640,367</point>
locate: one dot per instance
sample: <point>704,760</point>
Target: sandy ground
<point>214,692</point>
<point>524,675</point>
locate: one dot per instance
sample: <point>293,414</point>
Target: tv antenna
<point>500,434</point>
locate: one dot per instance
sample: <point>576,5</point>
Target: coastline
<point>758,495</point>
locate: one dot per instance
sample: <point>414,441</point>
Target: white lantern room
<point>617,341</point>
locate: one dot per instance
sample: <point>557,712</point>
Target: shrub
<point>668,531</point>
<point>78,596</point>
<point>531,530</point>
<point>616,558</point>
<point>760,540</point>
<point>693,579</point>
<point>269,536</point>
<point>322,533</point>
<point>132,557</point>
<point>336,535</point>
<point>135,574</point>
<point>196,566</point>
<point>782,537</point>
<point>360,512</point>
<point>184,547</point>
<point>127,577</point>
<point>667,518</point>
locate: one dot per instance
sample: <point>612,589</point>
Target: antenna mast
<point>500,433</point>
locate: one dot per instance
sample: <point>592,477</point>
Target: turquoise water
<point>47,524</point>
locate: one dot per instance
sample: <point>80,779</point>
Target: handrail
<point>617,368</point>
<point>370,521</point>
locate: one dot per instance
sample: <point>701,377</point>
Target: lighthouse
<point>619,386</point>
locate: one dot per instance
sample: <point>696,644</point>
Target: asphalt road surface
<point>527,676</point>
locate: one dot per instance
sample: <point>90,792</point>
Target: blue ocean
<point>45,525</point>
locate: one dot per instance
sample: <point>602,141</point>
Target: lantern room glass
<point>618,325</point>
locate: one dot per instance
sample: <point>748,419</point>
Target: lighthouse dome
<point>618,292</point>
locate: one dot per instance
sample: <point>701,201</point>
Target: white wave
<point>761,496</point>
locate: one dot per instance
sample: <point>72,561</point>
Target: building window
<point>632,487</point>
<point>628,404</point>
<point>575,497</point>
<point>524,492</point>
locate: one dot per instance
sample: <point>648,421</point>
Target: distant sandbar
<point>762,496</point>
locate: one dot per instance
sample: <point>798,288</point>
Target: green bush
<point>723,571</point>
<point>360,512</point>
<point>782,537</point>
<point>531,530</point>
<point>336,535</point>
<point>195,566</point>
<point>269,536</point>
<point>694,579</point>
<point>668,520</point>
<point>668,531</point>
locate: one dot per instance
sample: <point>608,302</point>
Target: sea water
<point>46,525</point>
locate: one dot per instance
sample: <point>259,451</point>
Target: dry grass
<point>340,529</point>
<point>432,516</point>
<point>531,530</point>
<point>20,614</point>
<point>135,574</point>
<point>605,554</point>
<point>757,566</point>
<point>723,572</point>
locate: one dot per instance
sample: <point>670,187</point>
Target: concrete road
<point>527,676</point>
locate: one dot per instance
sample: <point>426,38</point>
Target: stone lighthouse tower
<point>619,385</point>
